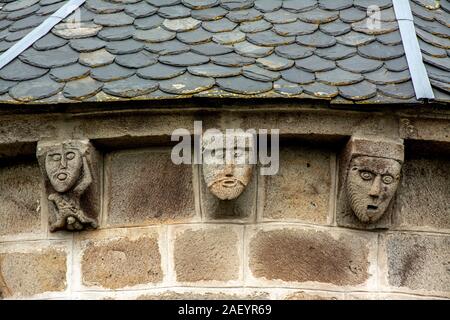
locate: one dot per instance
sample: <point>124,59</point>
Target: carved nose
<point>63,162</point>
<point>375,190</point>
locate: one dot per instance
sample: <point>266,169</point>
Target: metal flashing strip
<point>419,75</point>
<point>39,31</point>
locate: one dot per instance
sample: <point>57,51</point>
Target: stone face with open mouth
<point>63,166</point>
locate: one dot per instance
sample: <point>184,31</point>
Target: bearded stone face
<point>63,166</point>
<point>371,185</point>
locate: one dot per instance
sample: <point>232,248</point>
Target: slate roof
<point>163,49</point>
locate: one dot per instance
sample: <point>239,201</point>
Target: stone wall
<point>157,239</point>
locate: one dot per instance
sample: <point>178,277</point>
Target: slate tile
<point>19,71</point>
<point>221,25</point>
<point>82,89</point>
<point>130,88</point>
<point>181,25</point>
<point>336,52</point>
<point>256,73</point>
<point>368,27</point>
<point>433,72</point>
<point>421,12</point>
<point>250,50</point>
<point>140,10</point>
<point>388,15</point>
<point>269,39</point>
<point>124,46</point>
<point>295,28</point>
<point>355,39</point>
<point>211,49</point>
<point>15,36</point>
<point>111,72</point>
<point>352,15</point>
<point>338,77</point>
<point>432,50</point>
<point>318,16</point>
<point>186,84</point>
<point>200,4</point>
<point>445,5</point>
<point>444,86</point>
<point>398,64</point>
<point>184,59</point>
<point>174,12</point>
<point>160,71</point>
<point>384,76</point>
<point>274,63</point>
<point>267,5</point>
<point>76,31</point>
<point>157,34</point>
<point>232,60</point>
<point>36,89</point>
<point>114,19</point>
<point>163,3</point>
<point>359,91</point>
<point>321,90</point>
<point>442,63</point>
<point>255,26</point>
<point>365,4</point>
<point>167,47</point>
<point>195,37</point>
<point>243,85</point>
<point>236,4</point>
<point>380,51</point>
<point>280,16</point>
<point>209,14</point>
<point>239,16</point>
<point>96,58</point>
<point>335,28</point>
<point>23,13</point>
<point>69,73</point>
<point>59,57</point>
<point>87,45</point>
<point>298,76</point>
<point>317,39</point>
<point>148,22</point>
<point>335,4</point>
<point>136,60</point>
<point>80,15</point>
<point>442,17</point>
<point>403,90</point>
<point>228,38</point>
<point>359,64</point>
<point>18,5</point>
<point>315,64</point>
<point>390,39</point>
<point>100,6</point>
<point>5,23</point>
<point>287,88</point>
<point>294,51</point>
<point>432,39</point>
<point>116,33</point>
<point>214,71</point>
<point>5,85</point>
<point>48,42</point>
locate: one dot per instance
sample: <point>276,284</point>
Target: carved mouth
<point>62,176</point>
<point>371,207</point>
<point>229,183</point>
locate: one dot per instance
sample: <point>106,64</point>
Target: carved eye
<point>366,175</point>
<point>238,153</point>
<point>56,157</point>
<point>70,155</point>
<point>388,179</point>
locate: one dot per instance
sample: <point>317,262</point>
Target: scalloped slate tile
<point>15,36</point>
<point>5,85</point>
<point>339,77</point>
<point>390,39</point>
<point>335,4</point>
<point>148,22</point>
<point>76,31</point>
<point>48,42</point>
<point>160,71</point>
<point>19,71</point>
<point>111,72</point>
<point>232,60</point>
<point>130,88</point>
<point>359,91</point>
<point>26,23</point>
<point>181,25</point>
<point>280,16</point>
<point>82,89</point>
<point>157,34</point>
<point>140,10</point>
<point>51,58</point>
<point>294,51</point>
<point>174,12</point>
<point>442,63</point>
<point>287,88</point>
<point>36,89</point>
<point>230,37</point>
<point>376,50</point>
<point>296,28</point>
<point>359,64</point>
<point>269,39</point>
<point>168,47</point>
<point>209,14</point>
<point>355,39</point>
<point>163,3</point>
<point>317,39</point>
<point>136,60</point>
<point>100,6</point>
<point>256,73</point>
<point>444,86</point>
<point>352,15</point>
<point>186,84</point>
<point>214,71</point>
<point>18,5</point>
<point>267,5</point>
<point>336,52</point>
<point>211,49</point>
<point>398,64</point>
<point>113,19</point>
<point>274,63</point>
<point>364,4</point>
<point>248,49</point>
<point>367,26</point>
<point>236,4</point>
<point>315,64</point>
<point>69,73</point>
<point>96,58</point>
<point>384,76</point>
<point>124,46</point>
<point>432,50</point>
<point>335,28</point>
<point>221,25</point>
<point>87,45</point>
<point>200,4</point>
<point>318,16</point>
<point>432,39</point>
<point>298,76</point>
<point>299,6</point>
<point>321,90</point>
<point>116,33</point>
<point>403,90</point>
<point>255,26</point>
<point>195,37</point>
<point>184,59</point>
<point>433,73</point>
<point>243,85</point>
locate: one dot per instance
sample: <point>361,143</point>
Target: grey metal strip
<point>39,31</point>
<point>419,75</point>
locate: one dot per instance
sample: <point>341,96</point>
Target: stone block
<point>31,272</point>
<point>206,295</point>
<point>20,193</point>
<point>312,295</point>
<point>290,255</point>
<point>208,253</point>
<point>144,187</point>
<point>301,189</point>
<point>417,262</point>
<point>424,197</point>
<point>121,259</point>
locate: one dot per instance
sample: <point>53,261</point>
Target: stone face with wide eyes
<point>371,185</point>
<point>63,166</point>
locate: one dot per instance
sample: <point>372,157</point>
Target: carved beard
<point>359,204</point>
<point>227,190</point>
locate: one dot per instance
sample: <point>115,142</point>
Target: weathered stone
<point>210,253</point>
<point>121,261</point>
<point>76,30</point>
<point>311,295</point>
<point>301,189</point>
<point>301,255</point>
<point>138,186</point>
<point>423,200</point>
<point>208,295</point>
<point>417,262</point>
<point>96,58</point>
<point>19,199</point>
<point>30,273</point>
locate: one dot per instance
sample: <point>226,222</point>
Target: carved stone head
<point>63,164</point>
<point>226,164</point>
<point>372,176</point>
